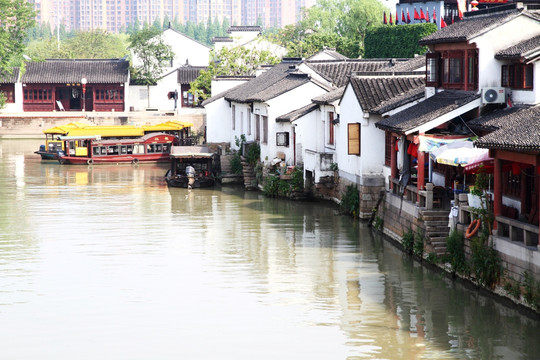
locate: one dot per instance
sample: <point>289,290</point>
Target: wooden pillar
<point>393,160</point>
<point>523,193</point>
<point>497,189</point>
<point>537,189</point>
<point>421,172</point>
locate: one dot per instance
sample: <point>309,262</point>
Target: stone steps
<point>436,225</point>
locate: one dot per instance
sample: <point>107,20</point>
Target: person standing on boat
<point>190,172</point>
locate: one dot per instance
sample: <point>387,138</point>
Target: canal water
<point>106,262</point>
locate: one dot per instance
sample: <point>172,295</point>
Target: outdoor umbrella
<point>457,153</point>
<point>474,163</point>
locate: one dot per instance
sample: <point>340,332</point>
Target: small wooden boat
<point>89,150</point>
<point>191,167</point>
<point>53,143</point>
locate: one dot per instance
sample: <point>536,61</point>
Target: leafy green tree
<point>348,19</point>
<point>224,27</point>
<point>157,24</point>
<point>96,44</point>
<point>399,41</point>
<point>16,17</point>
<point>238,61</point>
<point>152,54</point>
<point>166,22</point>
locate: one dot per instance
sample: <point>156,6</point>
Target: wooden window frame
<point>282,138</point>
<point>354,130</point>
<point>331,132</point>
<point>37,96</point>
<point>108,95</point>
<point>9,92</point>
<point>233,117</point>
<point>257,127</point>
<point>387,148</point>
<point>515,76</point>
<point>265,129</point>
<point>433,67</point>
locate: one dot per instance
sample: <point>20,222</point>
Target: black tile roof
<point>216,39</point>
<point>332,53</point>
<point>379,94</point>
<point>521,50</point>
<point>413,64</point>
<point>515,129</point>
<point>10,77</point>
<point>108,71</point>
<point>188,73</point>
<point>427,110</point>
<point>278,80</point>
<point>244,28</point>
<point>472,26</point>
<point>329,97</point>
<point>338,72</point>
<point>298,113</point>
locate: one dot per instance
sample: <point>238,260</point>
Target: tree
<point>96,44</point>
<point>238,61</point>
<point>152,54</point>
<point>348,19</point>
<point>399,41</point>
<point>16,17</point>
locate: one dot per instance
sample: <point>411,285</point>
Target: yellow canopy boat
<point>53,144</point>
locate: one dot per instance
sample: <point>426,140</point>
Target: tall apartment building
<point>115,15</point>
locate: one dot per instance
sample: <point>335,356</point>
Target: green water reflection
<point>107,262</point>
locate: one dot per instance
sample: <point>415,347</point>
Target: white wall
<point>158,95</point>
<point>218,122</point>
<point>371,159</point>
<point>241,37</point>
<point>220,85</point>
<point>531,97</point>
<point>17,106</point>
<point>283,104</point>
<point>498,39</point>
<point>184,48</point>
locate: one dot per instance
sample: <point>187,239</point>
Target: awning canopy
<point>457,153</point>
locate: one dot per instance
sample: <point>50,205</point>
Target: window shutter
<point>354,139</point>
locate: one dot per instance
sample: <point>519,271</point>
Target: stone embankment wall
<point>33,124</point>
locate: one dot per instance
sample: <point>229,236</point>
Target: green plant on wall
<point>253,154</point>
<point>418,248</point>
<point>407,240</point>
<point>350,201</point>
<point>486,263</point>
<point>236,164</point>
<point>455,252</point>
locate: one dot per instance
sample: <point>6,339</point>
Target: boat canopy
<point>190,152</point>
<point>108,131</point>
<point>64,129</point>
<point>173,125</point>
<point>94,137</point>
<point>83,129</point>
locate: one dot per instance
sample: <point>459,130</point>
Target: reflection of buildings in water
<point>56,174</point>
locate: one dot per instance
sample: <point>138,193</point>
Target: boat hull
<point>46,155</point>
<point>77,160</point>
<point>181,181</point>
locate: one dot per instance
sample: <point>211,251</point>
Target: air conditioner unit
<point>493,95</point>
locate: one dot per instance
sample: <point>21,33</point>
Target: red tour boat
<point>88,150</point>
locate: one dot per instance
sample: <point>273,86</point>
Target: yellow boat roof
<point>83,129</point>
<point>64,129</point>
<point>168,126</point>
<point>108,131</point>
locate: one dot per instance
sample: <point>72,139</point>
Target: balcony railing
<point>517,231</point>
